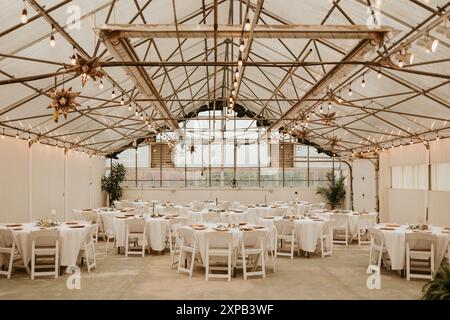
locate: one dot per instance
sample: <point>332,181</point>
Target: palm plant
<point>112,183</point>
<point>334,192</point>
<point>439,287</point>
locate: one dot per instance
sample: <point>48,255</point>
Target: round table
<point>70,241</point>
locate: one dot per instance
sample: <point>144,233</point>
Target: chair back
<point>44,238</point>
<point>6,238</point>
<point>284,227</point>
<point>91,233</point>
<point>367,220</point>
<point>187,236</point>
<point>135,225</point>
<point>424,240</point>
<point>89,216</point>
<point>376,236</point>
<point>219,239</point>
<point>255,239</point>
<point>340,220</point>
<point>107,224</point>
<point>327,227</point>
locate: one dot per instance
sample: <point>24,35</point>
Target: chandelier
<point>64,101</point>
<point>89,69</point>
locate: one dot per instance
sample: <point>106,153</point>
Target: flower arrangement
<point>47,223</point>
<point>418,226</point>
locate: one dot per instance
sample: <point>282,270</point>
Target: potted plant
<point>112,183</point>
<point>439,287</point>
<point>334,192</point>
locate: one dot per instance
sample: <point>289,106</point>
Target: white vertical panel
<point>97,171</point>
<point>77,181</point>
<point>14,180</point>
<point>407,206</point>
<point>47,181</point>
<point>364,184</point>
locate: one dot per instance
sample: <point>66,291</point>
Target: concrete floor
<point>342,276</point>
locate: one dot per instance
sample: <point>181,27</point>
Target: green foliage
<point>334,192</point>
<point>439,287</point>
<point>111,183</point>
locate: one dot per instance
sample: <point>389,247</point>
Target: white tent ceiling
<point>394,109</point>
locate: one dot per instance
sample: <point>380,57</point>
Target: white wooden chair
<point>340,228</point>
<point>420,250</point>
<point>135,233</point>
<point>218,245</point>
<point>94,218</point>
<point>365,222</point>
<point>45,245</point>
<point>8,248</point>
<point>212,217</point>
<point>188,247</point>
<point>326,241</point>
<point>280,212</point>
<point>271,246</point>
<point>377,246</point>
<point>171,239</point>
<point>176,244</point>
<point>88,249</point>
<point>108,226</point>
<point>286,234</point>
<point>252,249</point>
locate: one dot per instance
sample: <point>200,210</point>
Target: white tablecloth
<point>156,230</point>
<point>70,242</point>
<point>307,232</point>
<point>354,219</point>
<point>395,241</point>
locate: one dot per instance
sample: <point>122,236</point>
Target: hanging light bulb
<point>236,73</point>
<point>38,141</point>
<point>129,107</point>
<point>235,84</point>
<point>329,105</point>
<point>339,97</point>
<point>400,63</point>
<point>100,85</point>
<point>113,94</point>
<point>122,102</point>
<point>363,82</point>
<point>247,24</point>
<point>231,99</point>
<point>52,38</point>
<point>142,116</point>
<point>73,58</point>
<point>411,142</point>
<point>29,138</point>
<point>240,63</point>
<point>136,113</point>
<point>24,15</point>
<point>379,74</point>
<point>146,121</point>
<point>3,133</point>
<point>350,89</point>
<point>437,137</point>
<point>321,109</point>
<point>242,46</point>
<point>233,92</point>
<point>17,134</point>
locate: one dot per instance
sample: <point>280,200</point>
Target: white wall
<point>242,195</point>
<point>364,185</point>
<point>35,180</point>
<point>407,206</point>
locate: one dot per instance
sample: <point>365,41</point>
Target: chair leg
<point>179,258</point>
<point>229,265</point>
<point>11,259</point>
<point>263,263</point>
<point>244,264</point>
<point>272,252</point>
<point>370,252</point>
<point>292,247</point>
<point>33,263</point>
<point>191,269</point>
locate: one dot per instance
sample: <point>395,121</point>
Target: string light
<point>142,116</point>
<point>350,89</point>
<point>233,92</point>
<point>17,134</point>
<point>321,109</point>
<point>339,97</point>
<point>52,38</point>
<point>247,24</point>
<point>363,82</point>
<point>129,107</point>
<point>100,85</point>
<point>136,113</point>
<point>236,73</point>
<point>240,63</point>
<point>235,84</point>
<point>379,74</point>
<point>24,16</point>
<point>29,138</point>
<point>242,46</point>
<point>113,93</point>
<point>73,58</point>
<point>122,102</point>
